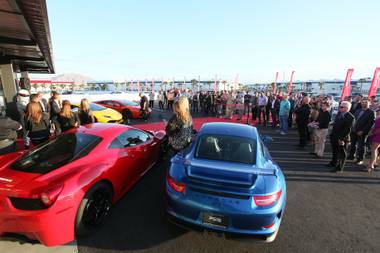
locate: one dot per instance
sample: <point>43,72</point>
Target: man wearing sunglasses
<point>340,136</point>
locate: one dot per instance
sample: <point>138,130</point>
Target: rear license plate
<point>215,220</point>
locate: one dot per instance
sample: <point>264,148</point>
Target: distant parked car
<point>227,181</point>
<point>127,108</point>
<point>102,114</point>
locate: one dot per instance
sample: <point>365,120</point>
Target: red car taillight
<point>178,187</point>
<point>50,196</point>
<point>267,200</point>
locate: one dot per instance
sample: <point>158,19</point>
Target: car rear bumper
<point>52,226</point>
<point>244,221</point>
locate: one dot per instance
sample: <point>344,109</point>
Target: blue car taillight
<point>178,187</point>
<point>267,200</point>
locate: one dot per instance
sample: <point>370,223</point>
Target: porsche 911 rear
<point>226,203</point>
<point>226,192</point>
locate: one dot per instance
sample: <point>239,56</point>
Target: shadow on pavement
<point>138,220</point>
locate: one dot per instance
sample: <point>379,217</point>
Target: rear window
<point>56,153</point>
<point>226,148</point>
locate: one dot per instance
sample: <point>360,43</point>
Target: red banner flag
<point>375,83</point>
<point>215,84</point>
<point>275,84</point>
<point>290,87</point>
<point>347,85</point>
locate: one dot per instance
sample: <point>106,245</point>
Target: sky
<point>249,40</point>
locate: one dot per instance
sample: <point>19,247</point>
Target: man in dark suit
<point>364,119</point>
<point>302,119</point>
<point>340,136</point>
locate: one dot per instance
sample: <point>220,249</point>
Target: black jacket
<point>342,127</point>
<point>54,110</point>
<point>365,122</point>
<point>303,114</point>
<point>46,107</point>
<point>324,119</point>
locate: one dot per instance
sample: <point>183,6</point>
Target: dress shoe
<point>359,162</point>
<point>318,156</point>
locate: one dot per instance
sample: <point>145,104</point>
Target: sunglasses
<point>342,107</point>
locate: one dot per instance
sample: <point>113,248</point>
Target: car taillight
<point>50,196</point>
<point>267,200</point>
<point>178,187</point>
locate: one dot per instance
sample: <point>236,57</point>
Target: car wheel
<point>95,120</point>
<point>272,237</point>
<point>93,209</point>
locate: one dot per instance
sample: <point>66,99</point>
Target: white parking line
<point>9,245</point>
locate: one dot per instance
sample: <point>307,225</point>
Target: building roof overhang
<point>25,36</point>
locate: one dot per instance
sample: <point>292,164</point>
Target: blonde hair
<point>181,109</point>
<point>84,105</point>
<point>34,112</point>
<point>66,109</point>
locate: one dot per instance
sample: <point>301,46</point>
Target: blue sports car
<point>227,181</point>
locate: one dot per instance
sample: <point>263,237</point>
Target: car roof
<point>222,128</point>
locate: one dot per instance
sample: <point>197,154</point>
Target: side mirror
<point>266,139</point>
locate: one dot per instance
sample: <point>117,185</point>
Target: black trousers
<point>358,146</point>
<point>275,118</point>
<point>247,108</point>
<point>302,131</point>
<point>161,104</point>
<point>151,103</point>
<point>290,119</point>
<point>254,113</point>
<point>262,113</point>
<point>339,153</point>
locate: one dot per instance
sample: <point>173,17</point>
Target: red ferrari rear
<point>70,183</point>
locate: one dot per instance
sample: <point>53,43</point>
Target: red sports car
<point>69,184</point>
<point>127,108</point>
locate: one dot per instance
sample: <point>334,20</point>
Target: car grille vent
<point>222,194</point>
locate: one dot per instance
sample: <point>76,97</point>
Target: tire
<point>93,209</point>
<point>95,120</point>
<point>272,237</point>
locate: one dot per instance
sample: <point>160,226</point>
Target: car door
<point>128,164</point>
<point>151,149</point>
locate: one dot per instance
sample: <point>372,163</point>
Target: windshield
<point>56,153</point>
<point>128,102</point>
<point>96,107</point>
<point>227,148</point>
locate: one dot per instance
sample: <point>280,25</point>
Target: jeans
<point>284,123</point>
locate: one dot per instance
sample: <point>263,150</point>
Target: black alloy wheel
<point>94,209</point>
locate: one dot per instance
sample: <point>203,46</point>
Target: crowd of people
<point>40,118</point>
<point>353,133</point>
<point>354,130</point>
